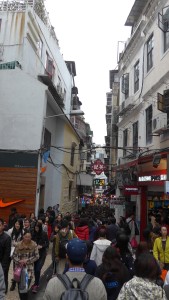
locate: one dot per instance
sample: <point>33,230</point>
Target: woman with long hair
<point>112,272</point>
<point>144,284</point>
<point>16,234</point>
<point>25,254</point>
<point>41,239</point>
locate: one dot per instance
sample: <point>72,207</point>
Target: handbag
<point>133,243</point>
<point>17,273</point>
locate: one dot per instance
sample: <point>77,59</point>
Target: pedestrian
<point>12,217</point>
<point>133,226</point>
<point>88,264</point>
<point>25,254</point>
<point>143,284</point>
<point>76,253</point>
<point>161,248</point>
<point>41,239</point>
<point>124,249</point>
<point>5,252</point>
<point>16,234</point>
<point>111,230</point>
<point>112,272</point>
<point>82,230</point>
<point>99,246</point>
<point>27,226</point>
<point>2,284</point>
<point>62,238</point>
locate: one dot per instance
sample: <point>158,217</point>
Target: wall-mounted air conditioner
<point>159,123</point>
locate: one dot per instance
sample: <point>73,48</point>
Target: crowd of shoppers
<point>88,242</point>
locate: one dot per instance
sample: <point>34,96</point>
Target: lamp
<point>156,160</point>
<point>73,113</point>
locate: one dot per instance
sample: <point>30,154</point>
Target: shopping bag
<point>133,243</point>
<point>17,273</point>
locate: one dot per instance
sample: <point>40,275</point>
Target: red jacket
<point>82,232</point>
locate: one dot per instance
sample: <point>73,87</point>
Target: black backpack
<point>63,240</point>
<point>75,292</point>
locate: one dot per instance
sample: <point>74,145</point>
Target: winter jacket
<point>111,231</point>
<point>2,284</point>
<point>70,235</point>
<point>82,232</point>
<point>99,247</point>
<point>41,239</point>
<point>5,250</point>
<point>141,289</point>
<point>159,253</point>
<point>115,281</point>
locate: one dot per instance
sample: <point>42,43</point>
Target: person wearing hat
<point>62,238</point>
<point>76,254</point>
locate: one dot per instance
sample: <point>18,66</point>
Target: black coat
<point>5,250</point>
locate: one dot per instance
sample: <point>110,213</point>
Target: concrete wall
<point>22,107</point>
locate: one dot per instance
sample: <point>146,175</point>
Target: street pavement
<point>45,273</point>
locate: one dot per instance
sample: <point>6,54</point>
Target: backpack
<point>126,227</point>
<point>76,292</point>
<point>63,240</point>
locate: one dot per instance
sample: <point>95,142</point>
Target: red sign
<point>98,167</point>
<point>131,190</point>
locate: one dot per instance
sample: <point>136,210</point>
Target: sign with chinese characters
<point>99,182</point>
<point>98,167</point>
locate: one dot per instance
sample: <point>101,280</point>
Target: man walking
<point>5,251</point>
<point>76,252</point>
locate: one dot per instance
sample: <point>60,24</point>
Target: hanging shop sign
<point>98,167</point>
<point>99,182</point>
<point>153,178</point>
<point>131,190</point>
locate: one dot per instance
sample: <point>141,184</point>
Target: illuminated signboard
<point>153,178</point>
<point>99,182</point>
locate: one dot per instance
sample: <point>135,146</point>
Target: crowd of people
<point>91,253</point>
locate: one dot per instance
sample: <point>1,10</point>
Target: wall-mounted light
<point>156,160</point>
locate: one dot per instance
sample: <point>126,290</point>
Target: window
<point>166,41</point>
<point>72,155</point>
<point>125,136</point>
<point>135,137</point>
<point>149,113</point>
<point>136,77</point>
<point>50,69</point>
<point>40,47</point>
<point>125,85</point>
<point>150,46</point>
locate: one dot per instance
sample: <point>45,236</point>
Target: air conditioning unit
<point>159,123</point>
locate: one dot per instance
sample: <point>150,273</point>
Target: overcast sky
<point>88,33</point>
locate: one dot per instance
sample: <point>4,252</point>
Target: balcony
<point>56,92</point>
<point>126,106</point>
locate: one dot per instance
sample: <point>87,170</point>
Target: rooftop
<point>135,12</point>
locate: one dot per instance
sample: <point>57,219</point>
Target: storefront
<point>151,183</point>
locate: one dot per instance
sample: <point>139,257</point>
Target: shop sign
<point>131,190</point>
<point>153,178</point>
<point>98,167</point>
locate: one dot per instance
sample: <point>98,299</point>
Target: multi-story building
<point>143,133</point>
<point>39,157</point>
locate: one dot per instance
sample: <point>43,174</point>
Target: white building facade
<point>35,84</point>
<point>143,124</point>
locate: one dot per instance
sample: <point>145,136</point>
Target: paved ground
<point>46,270</point>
